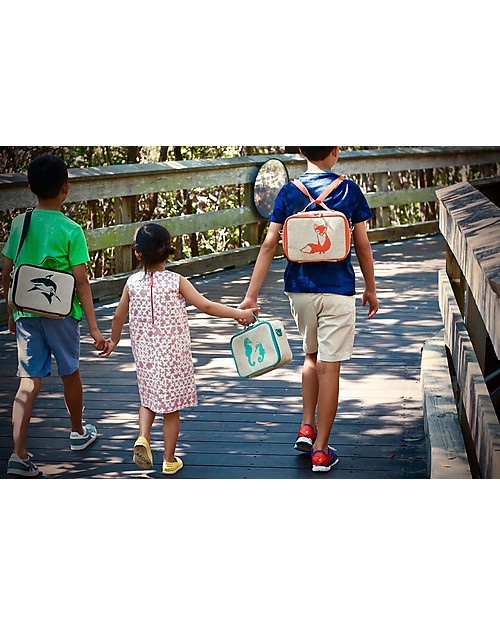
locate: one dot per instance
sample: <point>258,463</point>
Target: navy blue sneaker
<point>82,441</point>
<point>322,461</point>
<point>18,466</point>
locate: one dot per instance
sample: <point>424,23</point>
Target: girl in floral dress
<point>155,302</point>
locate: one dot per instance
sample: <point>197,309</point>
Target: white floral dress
<point>161,342</point>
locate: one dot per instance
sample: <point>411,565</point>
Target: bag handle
<point>324,194</point>
<point>26,225</point>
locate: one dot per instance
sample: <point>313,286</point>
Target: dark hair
<point>152,244</point>
<point>47,174</point>
<point>316,153</point>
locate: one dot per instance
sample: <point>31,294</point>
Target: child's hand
<point>247,317</point>
<point>99,340</point>
<point>108,348</point>
<point>250,303</point>
<point>12,323</point>
<point>370,298</point>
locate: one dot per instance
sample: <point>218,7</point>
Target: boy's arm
<point>117,323</point>
<point>262,264</point>
<point>194,297</point>
<point>85,296</point>
<point>365,258</point>
<point>6,271</point>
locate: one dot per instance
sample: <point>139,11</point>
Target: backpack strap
<point>324,194</point>
<point>26,225</point>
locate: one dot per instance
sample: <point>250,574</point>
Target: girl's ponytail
<point>152,244</point>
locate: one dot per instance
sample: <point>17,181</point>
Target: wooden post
<point>251,230</point>
<point>456,277</point>
<point>124,215</point>
<point>382,213</point>
<point>477,330</point>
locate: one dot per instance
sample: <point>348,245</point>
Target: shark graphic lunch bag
<point>38,290</point>
<point>310,236</point>
<point>260,348</point>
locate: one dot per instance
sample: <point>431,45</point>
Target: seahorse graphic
<point>323,243</point>
<point>46,286</point>
<point>252,350</point>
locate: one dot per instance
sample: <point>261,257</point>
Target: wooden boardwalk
<point>246,428</point>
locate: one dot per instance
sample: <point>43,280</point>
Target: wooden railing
<point>469,297</point>
<point>128,181</point>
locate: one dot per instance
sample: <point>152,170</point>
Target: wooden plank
<point>447,457</point>
<point>139,178</point>
<point>396,233</point>
<point>111,286</point>
<point>479,410</point>
<point>130,471</point>
<point>377,199</point>
<point>123,234</point>
<point>470,224</point>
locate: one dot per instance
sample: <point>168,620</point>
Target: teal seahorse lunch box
<point>260,348</point>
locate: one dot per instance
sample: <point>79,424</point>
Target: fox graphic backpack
<point>317,235</point>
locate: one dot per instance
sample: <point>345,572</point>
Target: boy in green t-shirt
<point>53,241</point>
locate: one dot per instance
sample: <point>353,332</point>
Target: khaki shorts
<point>326,322</point>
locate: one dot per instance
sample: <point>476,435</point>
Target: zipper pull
<point>151,286</point>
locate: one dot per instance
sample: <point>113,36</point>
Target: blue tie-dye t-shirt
<point>321,277</point>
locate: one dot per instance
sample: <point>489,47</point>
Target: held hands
<point>108,348</point>
<point>247,317</point>
<point>370,298</point>
<point>99,340</point>
<point>248,305</point>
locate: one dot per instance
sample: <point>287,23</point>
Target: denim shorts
<point>39,337</point>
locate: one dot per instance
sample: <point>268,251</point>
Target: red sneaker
<point>306,437</point>
<point>322,461</point>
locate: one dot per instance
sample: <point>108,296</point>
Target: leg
<point>73,396</point>
<point>328,397</point>
<point>21,413</point>
<point>146,419</point>
<point>143,457</point>
<point>309,390</point>
<point>171,426</point>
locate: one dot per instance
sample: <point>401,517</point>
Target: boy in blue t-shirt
<point>322,298</point>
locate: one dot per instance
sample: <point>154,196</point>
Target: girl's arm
<point>262,264</point>
<point>365,258</point>
<point>117,323</point>
<point>214,309</point>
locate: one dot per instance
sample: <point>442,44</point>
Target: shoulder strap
<point>324,194</point>
<point>303,188</point>
<point>26,225</point>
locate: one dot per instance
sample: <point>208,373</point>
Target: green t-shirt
<point>54,241</point>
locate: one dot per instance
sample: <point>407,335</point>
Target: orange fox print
<point>322,244</point>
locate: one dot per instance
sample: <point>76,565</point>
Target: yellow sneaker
<point>142,453</point>
<point>169,468</point>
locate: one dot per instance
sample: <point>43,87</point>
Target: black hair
<point>316,153</point>
<point>152,244</point>
<point>47,174</point>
